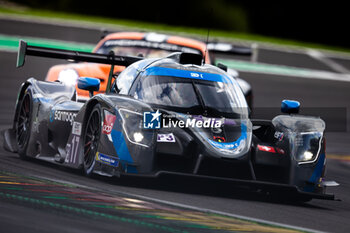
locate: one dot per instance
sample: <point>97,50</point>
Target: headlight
<point>138,137</point>
<point>68,77</point>
<point>133,128</point>
<point>308,145</point>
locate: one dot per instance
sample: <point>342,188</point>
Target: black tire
<point>23,125</point>
<point>91,137</point>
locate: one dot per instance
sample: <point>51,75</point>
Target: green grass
<point>138,25</point>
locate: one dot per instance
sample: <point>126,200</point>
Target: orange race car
<point>143,44</point>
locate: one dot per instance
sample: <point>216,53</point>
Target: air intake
<point>190,58</point>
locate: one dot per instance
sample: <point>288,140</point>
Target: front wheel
<point>23,125</point>
<point>91,139</point>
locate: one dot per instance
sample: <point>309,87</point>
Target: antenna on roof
<point>206,48</point>
<point>206,43</point>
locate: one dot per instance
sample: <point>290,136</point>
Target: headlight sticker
<point>166,137</point>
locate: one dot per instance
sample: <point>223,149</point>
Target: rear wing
<point>215,47</point>
<point>230,49</point>
<point>27,50</point>
<point>111,59</point>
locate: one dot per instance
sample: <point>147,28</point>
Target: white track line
<point>281,70</point>
<point>328,62</point>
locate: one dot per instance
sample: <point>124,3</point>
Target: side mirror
<point>89,84</point>
<point>290,106</point>
<point>222,66</point>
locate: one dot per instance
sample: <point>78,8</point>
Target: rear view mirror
<point>89,84</point>
<point>290,106</point>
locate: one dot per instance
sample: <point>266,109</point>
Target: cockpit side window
<point>127,77</point>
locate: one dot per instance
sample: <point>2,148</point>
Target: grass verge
<point>138,25</point>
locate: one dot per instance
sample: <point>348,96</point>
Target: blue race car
<point>171,116</point>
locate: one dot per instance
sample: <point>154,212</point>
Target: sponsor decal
<point>76,129</point>
<point>196,75</point>
<point>266,148</point>
<point>57,115</point>
<point>191,123</point>
<point>166,137</point>
<point>107,159</point>
<point>279,135</point>
<point>72,150</point>
<point>108,123</point>
<point>151,120</point>
<point>155,120</point>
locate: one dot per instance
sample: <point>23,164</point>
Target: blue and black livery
<point>106,134</point>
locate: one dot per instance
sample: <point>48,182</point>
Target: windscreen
<point>213,94</point>
<point>145,48</point>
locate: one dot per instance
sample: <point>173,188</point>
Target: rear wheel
<point>23,125</point>
<point>91,139</point>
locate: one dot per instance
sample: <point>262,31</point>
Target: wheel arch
<point>20,96</point>
<point>89,107</point>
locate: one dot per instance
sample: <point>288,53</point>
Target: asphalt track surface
<point>39,197</point>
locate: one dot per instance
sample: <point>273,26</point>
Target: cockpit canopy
<point>187,88</point>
